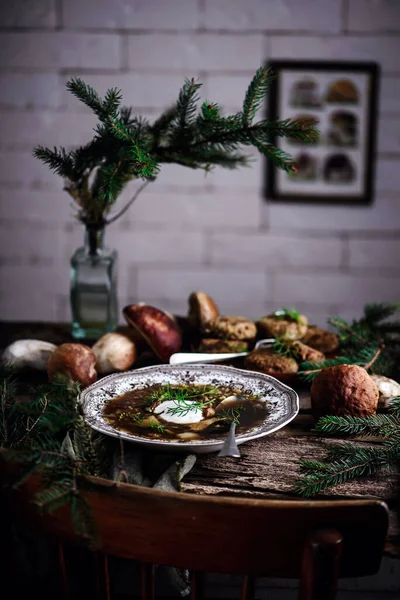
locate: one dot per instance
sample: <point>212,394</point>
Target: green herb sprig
<point>288,313</point>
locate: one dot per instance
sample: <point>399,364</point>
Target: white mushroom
<point>188,436</point>
<point>33,354</point>
<point>388,389</point>
<point>232,402</point>
<point>114,352</point>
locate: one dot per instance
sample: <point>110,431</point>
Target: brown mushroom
<point>231,328</point>
<point>160,331</point>
<point>202,309</point>
<point>75,362</point>
<point>343,390</point>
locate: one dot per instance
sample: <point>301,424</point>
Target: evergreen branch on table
<point>47,434</point>
<point>394,407</point>
<point>345,461</point>
<point>374,314</point>
<point>366,357</point>
<point>371,425</point>
<point>361,461</point>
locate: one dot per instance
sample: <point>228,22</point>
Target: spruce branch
<point>126,147</point>
<point>256,92</point>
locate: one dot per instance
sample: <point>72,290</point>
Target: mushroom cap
<point>343,390</point>
<point>160,331</point>
<point>231,328</point>
<point>287,329</point>
<point>202,309</point>
<point>306,353</point>
<point>75,361</point>
<point>114,351</point>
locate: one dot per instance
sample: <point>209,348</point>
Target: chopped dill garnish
<point>288,313</point>
<point>186,397</point>
<point>231,415</point>
<point>158,427</point>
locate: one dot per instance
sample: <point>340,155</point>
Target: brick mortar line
<point>306,33</point>
<point>66,71</point>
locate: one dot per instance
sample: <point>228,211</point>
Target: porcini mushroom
<point>160,331</point>
<point>75,362</point>
<point>202,309</point>
<point>114,352</point>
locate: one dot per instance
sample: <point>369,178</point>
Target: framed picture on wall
<point>342,97</point>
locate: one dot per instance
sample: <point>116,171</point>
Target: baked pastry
<point>202,309</point>
<point>160,331</point>
<point>213,345</point>
<point>284,327</point>
<point>231,328</point>
<point>267,361</point>
<point>306,353</point>
<point>320,339</point>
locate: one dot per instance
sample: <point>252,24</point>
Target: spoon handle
<point>199,357</point>
<point>230,447</point>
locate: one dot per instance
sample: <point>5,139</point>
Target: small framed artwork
<point>342,98</point>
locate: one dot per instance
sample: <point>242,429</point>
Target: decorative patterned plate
<point>283,401</point>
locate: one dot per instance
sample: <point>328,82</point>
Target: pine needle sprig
<point>126,147</point>
<point>51,438</point>
<point>380,425</point>
<point>346,460</point>
<point>256,93</point>
<point>359,461</point>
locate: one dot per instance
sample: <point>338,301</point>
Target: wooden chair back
<point>315,541</point>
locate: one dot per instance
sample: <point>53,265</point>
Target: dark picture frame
<point>343,97</point>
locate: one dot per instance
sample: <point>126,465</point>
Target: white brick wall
<point>188,231</point>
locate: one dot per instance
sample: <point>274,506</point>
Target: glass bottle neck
<point>94,241</point>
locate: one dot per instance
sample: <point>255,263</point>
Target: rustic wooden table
<point>268,467</point>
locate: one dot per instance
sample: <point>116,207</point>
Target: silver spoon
<point>230,447</point>
<point>201,357</point>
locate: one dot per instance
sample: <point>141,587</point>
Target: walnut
<point>343,390</point>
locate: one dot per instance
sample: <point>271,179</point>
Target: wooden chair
<point>315,541</point>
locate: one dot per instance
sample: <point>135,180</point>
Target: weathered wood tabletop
<point>268,467</point>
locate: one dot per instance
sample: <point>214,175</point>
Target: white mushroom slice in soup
<point>171,412</point>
